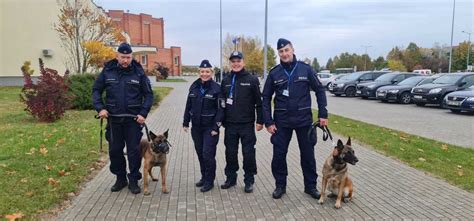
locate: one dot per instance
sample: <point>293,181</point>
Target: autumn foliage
<point>48,99</point>
<point>99,53</point>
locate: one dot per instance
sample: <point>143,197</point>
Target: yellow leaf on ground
<point>460,172</point>
<point>444,147</point>
<point>336,122</point>
<point>62,173</point>
<point>14,216</point>
<point>61,141</point>
<point>29,193</point>
<point>24,180</point>
<point>459,167</point>
<point>32,151</point>
<point>53,182</point>
<point>43,150</point>
<point>421,150</point>
<point>48,168</point>
<point>422,159</point>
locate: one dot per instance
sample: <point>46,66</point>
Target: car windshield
<point>411,81</point>
<point>386,78</point>
<point>340,76</point>
<point>447,79</point>
<point>352,76</point>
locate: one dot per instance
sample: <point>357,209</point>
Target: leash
<point>326,132</point>
<point>109,120</point>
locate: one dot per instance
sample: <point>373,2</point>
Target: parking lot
<point>430,121</point>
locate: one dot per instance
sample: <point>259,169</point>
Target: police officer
<point>242,102</point>
<point>291,82</point>
<point>128,91</point>
<point>204,111</point>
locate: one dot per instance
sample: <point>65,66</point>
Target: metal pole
<point>365,58</point>
<point>265,49</point>
<point>452,32</point>
<point>220,45</point>
<point>469,48</point>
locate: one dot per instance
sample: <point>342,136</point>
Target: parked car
<point>435,92</point>
<point>423,71</point>
<point>325,78</point>
<point>400,92</point>
<point>460,100</point>
<point>367,90</point>
<point>347,84</point>
<point>334,78</point>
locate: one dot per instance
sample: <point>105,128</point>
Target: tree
<point>460,57</point>
<point>411,56</point>
<point>330,65</point>
<point>254,61</point>
<point>271,57</point>
<point>99,53</point>
<point>380,63</point>
<point>315,65</point>
<point>395,54</point>
<point>396,65</point>
<point>79,23</point>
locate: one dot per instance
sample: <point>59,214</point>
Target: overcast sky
<point>317,28</point>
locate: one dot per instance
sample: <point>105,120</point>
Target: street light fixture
<point>468,49</point>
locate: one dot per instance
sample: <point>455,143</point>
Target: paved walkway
<point>384,188</point>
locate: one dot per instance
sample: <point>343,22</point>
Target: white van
<point>423,71</point>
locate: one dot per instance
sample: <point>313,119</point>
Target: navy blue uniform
<point>239,123</point>
<point>128,91</point>
<point>291,83</point>
<point>203,110</point>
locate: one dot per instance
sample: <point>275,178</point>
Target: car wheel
<point>405,98</point>
<point>420,104</point>
<point>350,91</point>
<point>455,111</point>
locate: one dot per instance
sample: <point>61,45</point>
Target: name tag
<point>244,84</point>
<point>229,101</point>
<point>286,93</point>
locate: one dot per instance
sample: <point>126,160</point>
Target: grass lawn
<point>42,163</point>
<point>449,162</point>
<point>173,80</point>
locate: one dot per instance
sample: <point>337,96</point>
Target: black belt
<point>326,132</point>
<point>109,120</point>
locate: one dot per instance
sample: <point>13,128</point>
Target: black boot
<point>248,187</point>
<point>200,183</point>
<point>228,184</point>
<point>278,193</point>
<point>133,187</point>
<point>313,193</point>
<point>120,183</point>
<point>206,187</point>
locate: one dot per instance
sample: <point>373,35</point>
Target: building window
<point>144,60</point>
<point>176,60</point>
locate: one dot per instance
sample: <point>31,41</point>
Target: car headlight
<point>471,99</point>
<point>435,91</point>
<point>393,91</point>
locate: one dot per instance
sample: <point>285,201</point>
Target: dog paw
<point>321,201</point>
<point>146,193</point>
<point>165,191</point>
<point>337,205</point>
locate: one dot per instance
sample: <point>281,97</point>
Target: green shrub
<point>81,90</point>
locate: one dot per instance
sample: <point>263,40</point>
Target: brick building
<point>144,30</point>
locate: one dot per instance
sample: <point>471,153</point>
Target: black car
<point>347,84</point>
<point>401,92</point>
<point>366,90</point>
<point>435,92</point>
<point>460,100</point>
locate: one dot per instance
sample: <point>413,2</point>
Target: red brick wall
<point>143,29</point>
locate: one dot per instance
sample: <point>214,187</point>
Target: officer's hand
<point>140,119</point>
<point>214,133</point>
<point>185,129</point>
<point>272,129</point>
<point>323,121</point>
<point>103,113</point>
<point>259,127</point>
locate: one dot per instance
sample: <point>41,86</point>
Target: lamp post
<point>468,49</point>
<point>220,45</point>
<point>265,49</point>
<point>452,31</point>
<point>365,57</point>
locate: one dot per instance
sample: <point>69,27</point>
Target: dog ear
<point>349,142</point>
<point>166,133</point>
<point>152,135</point>
<point>340,145</point>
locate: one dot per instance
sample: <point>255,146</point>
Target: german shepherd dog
<point>154,154</point>
<point>336,175</point>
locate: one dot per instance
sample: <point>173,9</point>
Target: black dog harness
<point>109,120</point>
